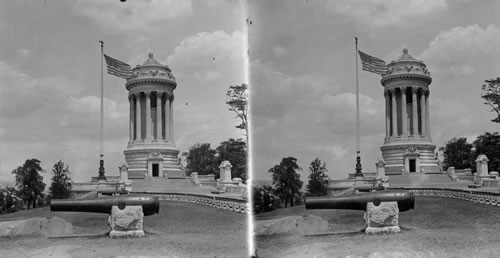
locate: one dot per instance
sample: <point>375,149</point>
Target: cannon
<point>405,200</point>
<point>150,204</point>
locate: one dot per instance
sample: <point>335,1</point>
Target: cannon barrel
<point>150,204</point>
<point>405,200</point>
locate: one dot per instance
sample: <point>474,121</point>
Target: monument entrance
<point>413,165</point>
<point>155,170</point>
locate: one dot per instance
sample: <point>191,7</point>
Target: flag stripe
<point>118,68</point>
<point>372,64</point>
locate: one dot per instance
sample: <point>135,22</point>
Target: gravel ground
<point>437,227</point>
<point>181,229</point>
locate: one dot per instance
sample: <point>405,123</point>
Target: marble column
<point>138,129</point>
<point>427,113</point>
<point>387,114</point>
<point>414,110</point>
<point>158,115</point>
<point>167,117</point>
<point>394,109</point>
<point>148,116</point>
<point>172,118</point>
<point>423,120</point>
<point>404,114</point>
<point>131,117</point>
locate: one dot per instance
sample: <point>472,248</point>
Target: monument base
<point>126,222</point>
<point>382,218</point>
<point>383,230</point>
<point>126,234</point>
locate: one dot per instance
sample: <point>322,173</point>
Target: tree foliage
<point>9,202</point>
<point>238,103</point>
<point>318,180</point>
<point>235,151</point>
<point>60,187</point>
<point>286,181</point>
<point>264,199</point>
<point>491,95</point>
<point>201,158</point>
<point>29,182</point>
<point>489,145</point>
<point>458,153</point>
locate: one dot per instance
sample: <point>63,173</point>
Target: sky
<point>50,76</point>
<point>302,75</point>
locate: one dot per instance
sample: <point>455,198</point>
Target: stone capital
<point>147,93</point>
<point>414,89</point>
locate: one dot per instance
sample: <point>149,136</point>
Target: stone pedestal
<point>225,171</point>
<point>126,222</point>
<point>383,218</point>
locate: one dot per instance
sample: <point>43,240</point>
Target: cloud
<point>381,13</point>
<point>462,50</point>
<point>206,51</point>
<point>132,15</point>
<point>23,52</point>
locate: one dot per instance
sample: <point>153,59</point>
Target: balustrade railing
<point>490,198</point>
<point>232,204</point>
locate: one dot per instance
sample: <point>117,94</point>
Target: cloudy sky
<point>302,63</point>
<point>50,75</point>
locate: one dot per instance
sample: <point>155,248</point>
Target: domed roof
<point>152,69</point>
<point>406,65</point>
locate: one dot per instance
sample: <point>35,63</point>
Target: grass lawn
<point>439,227</point>
<point>180,229</point>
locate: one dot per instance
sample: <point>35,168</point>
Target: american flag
<point>118,68</point>
<point>373,64</point>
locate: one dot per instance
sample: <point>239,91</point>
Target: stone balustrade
<point>226,203</point>
<point>489,198</point>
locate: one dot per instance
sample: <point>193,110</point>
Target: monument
<point>151,150</point>
<point>407,147</point>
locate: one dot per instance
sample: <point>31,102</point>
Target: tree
<point>201,158</point>
<point>489,145</point>
<point>235,151</point>
<point>491,94</point>
<point>318,181</point>
<point>286,180</point>
<point>264,199</point>
<point>238,103</point>
<point>458,153</point>
<point>8,200</point>
<point>60,187</point>
<point>29,182</point>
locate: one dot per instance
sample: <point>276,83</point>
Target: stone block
<point>490,183</point>
<point>36,226</point>
<point>383,218</point>
<point>126,222</point>
<point>292,224</point>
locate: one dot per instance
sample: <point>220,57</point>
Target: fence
<point>490,198</point>
<point>232,204</point>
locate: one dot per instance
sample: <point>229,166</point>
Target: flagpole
<point>358,158</point>
<point>101,160</point>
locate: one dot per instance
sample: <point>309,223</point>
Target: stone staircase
<point>172,185</point>
<point>424,180</point>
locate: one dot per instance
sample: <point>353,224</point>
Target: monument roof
<point>151,60</point>
<point>406,65</point>
<point>150,70</point>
